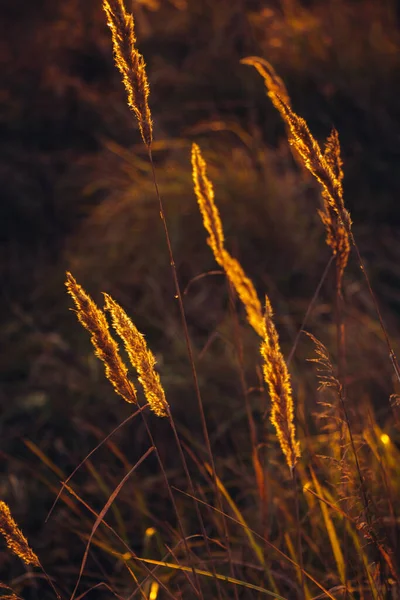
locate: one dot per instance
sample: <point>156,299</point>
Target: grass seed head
<point>130,64</point>
<point>142,359</point>
<point>15,539</point>
<point>106,348</point>
<point>212,222</point>
<point>277,378</point>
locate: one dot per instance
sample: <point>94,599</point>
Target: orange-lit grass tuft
<point>106,348</point>
<point>212,222</point>
<point>130,64</point>
<point>142,359</point>
<point>277,378</point>
<point>15,539</point>
<point>276,374</point>
<point>323,166</point>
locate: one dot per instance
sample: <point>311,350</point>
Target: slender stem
<point>392,354</point>
<point>197,591</point>
<point>191,360</point>
<point>308,311</point>
<point>298,531</point>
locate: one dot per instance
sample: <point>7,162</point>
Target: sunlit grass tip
<point>212,222</point>
<point>106,348</point>
<point>130,64</point>
<point>15,539</point>
<point>142,359</point>
<point>277,378</point>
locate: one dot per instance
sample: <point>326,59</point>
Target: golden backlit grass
<point>130,64</point>
<point>105,347</point>
<point>275,371</point>
<point>325,532</point>
<point>15,539</point>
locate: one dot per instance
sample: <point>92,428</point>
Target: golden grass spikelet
<point>212,222</point>
<point>130,64</point>
<point>205,196</point>
<point>337,236</point>
<point>276,376</point>
<point>106,348</point>
<point>15,539</point>
<point>245,290</point>
<point>8,596</point>
<point>323,166</point>
<point>274,84</point>
<point>141,357</point>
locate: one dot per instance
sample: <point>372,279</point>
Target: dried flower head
<point>130,64</point>
<point>276,376</point>
<point>325,166</point>
<point>141,357</point>
<point>106,348</point>
<point>322,167</point>
<point>15,539</point>
<point>337,236</point>
<point>212,222</point>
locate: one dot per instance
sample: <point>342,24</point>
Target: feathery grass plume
<point>8,596</point>
<point>106,348</point>
<point>15,539</point>
<point>274,84</point>
<point>130,64</point>
<point>212,222</point>
<point>277,378</point>
<point>337,236</point>
<point>141,357</point>
<point>321,166</point>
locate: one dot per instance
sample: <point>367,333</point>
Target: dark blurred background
<point>77,194</point>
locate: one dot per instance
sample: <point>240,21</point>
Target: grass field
<point>226,216</point>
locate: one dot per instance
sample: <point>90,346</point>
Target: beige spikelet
<point>106,348</point>
<point>337,236</point>
<point>274,84</point>
<point>130,64</point>
<point>141,357</point>
<point>15,539</point>
<point>275,370</point>
<point>212,222</point>
<point>277,378</point>
<point>325,166</point>
<point>322,167</point>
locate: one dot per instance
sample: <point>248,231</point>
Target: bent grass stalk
<point>326,170</point>
<point>276,374</point>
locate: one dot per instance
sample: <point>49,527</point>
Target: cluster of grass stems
<point>324,515</point>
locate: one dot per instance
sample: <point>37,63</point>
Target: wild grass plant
<point>301,505</point>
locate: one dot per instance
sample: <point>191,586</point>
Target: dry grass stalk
<point>277,378</point>
<point>106,348</point>
<point>325,166</point>
<point>320,165</point>
<point>130,64</point>
<point>141,357</point>
<point>275,370</point>
<point>212,222</point>
<point>15,539</point>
